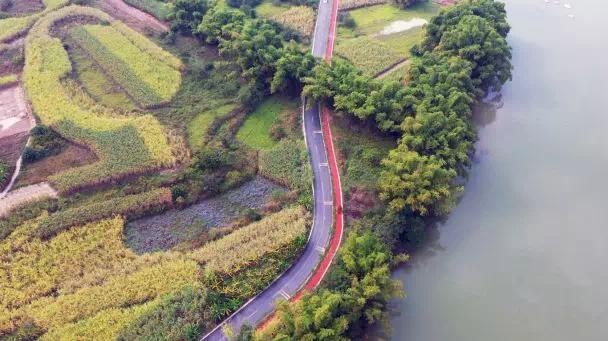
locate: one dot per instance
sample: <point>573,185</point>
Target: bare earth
<point>24,195</point>
<point>132,16</point>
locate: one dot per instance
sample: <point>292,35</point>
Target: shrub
<point>44,142</point>
<point>3,172</point>
<point>130,206</point>
<point>182,315</point>
<point>352,4</point>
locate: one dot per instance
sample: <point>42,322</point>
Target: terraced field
<point>125,145</point>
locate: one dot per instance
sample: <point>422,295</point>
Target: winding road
<point>309,269</point>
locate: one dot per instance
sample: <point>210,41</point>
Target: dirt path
<point>392,68</point>
<point>23,195</point>
<point>132,16</point>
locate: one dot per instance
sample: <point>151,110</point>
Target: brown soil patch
<point>39,171</point>
<point>136,19</point>
<point>19,7</point>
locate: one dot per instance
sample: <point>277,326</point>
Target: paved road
<point>290,283</point>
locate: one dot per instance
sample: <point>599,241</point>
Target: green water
<point>525,254</point>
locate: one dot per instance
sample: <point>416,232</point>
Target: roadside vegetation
<point>462,56</point>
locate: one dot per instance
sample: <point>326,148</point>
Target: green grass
<point>371,52</point>
<point>371,20</point>
<point>363,149</point>
<point>255,131</point>
<point>197,128</point>
<point>268,10</point>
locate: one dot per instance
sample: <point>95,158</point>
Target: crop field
<point>157,8</point>
<point>370,55</point>
<point>298,18</point>
<point>125,145</point>
<point>87,277</point>
<point>8,80</point>
<point>10,28</point>
<point>371,45</point>
<point>145,77</point>
<point>255,131</point>
<point>352,4</point>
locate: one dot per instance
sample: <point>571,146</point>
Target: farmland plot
<point>149,80</point>
<point>299,18</point>
<point>87,278</point>
<point>125,145</point>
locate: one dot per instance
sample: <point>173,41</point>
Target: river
<point>524,256</point>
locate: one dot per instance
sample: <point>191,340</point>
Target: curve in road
<point>312,265</point>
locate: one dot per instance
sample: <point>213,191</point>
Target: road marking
<point>318,132</point>
<point>248,316</point>
<point>324,164</point>
<point>284,294</point>
<point>328,203</point>
<point>320,249</point>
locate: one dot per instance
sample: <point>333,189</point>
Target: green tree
<point>220,22</point>
<point>474,39</point>
<point>186,15</point>
<point>447,137</point>
<point>417,183</point>
<point>291,69</point>
<point>494,12</point>
<point>407,3</point>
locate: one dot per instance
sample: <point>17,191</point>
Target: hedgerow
<point>147,46</point>
<point>8,80</point>
<point>249,244</point>
<point>125,145</point>
<point>352,4</point>
<point>147,79</point>
<point>130,206</point>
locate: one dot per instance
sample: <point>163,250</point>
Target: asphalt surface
<point>287,285</point>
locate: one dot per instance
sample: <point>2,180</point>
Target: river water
<point>525,254</point>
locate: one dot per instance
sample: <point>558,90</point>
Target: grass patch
<point>199,126</point>
<point>371,20</point>
<point>267,9</point>
<point>256,130</point>
<point>8,80</point>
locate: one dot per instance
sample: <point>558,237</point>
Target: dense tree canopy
<point>360,288</point>
<point>187,14</point>
<point>417,183</point>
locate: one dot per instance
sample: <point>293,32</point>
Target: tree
<point>291,69</point>
<point>447,137</point>
<point>220,23</point>
<point>420,184</point>
<point>475,40</point>
<point>494,12</point>
<point>186,15</point>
